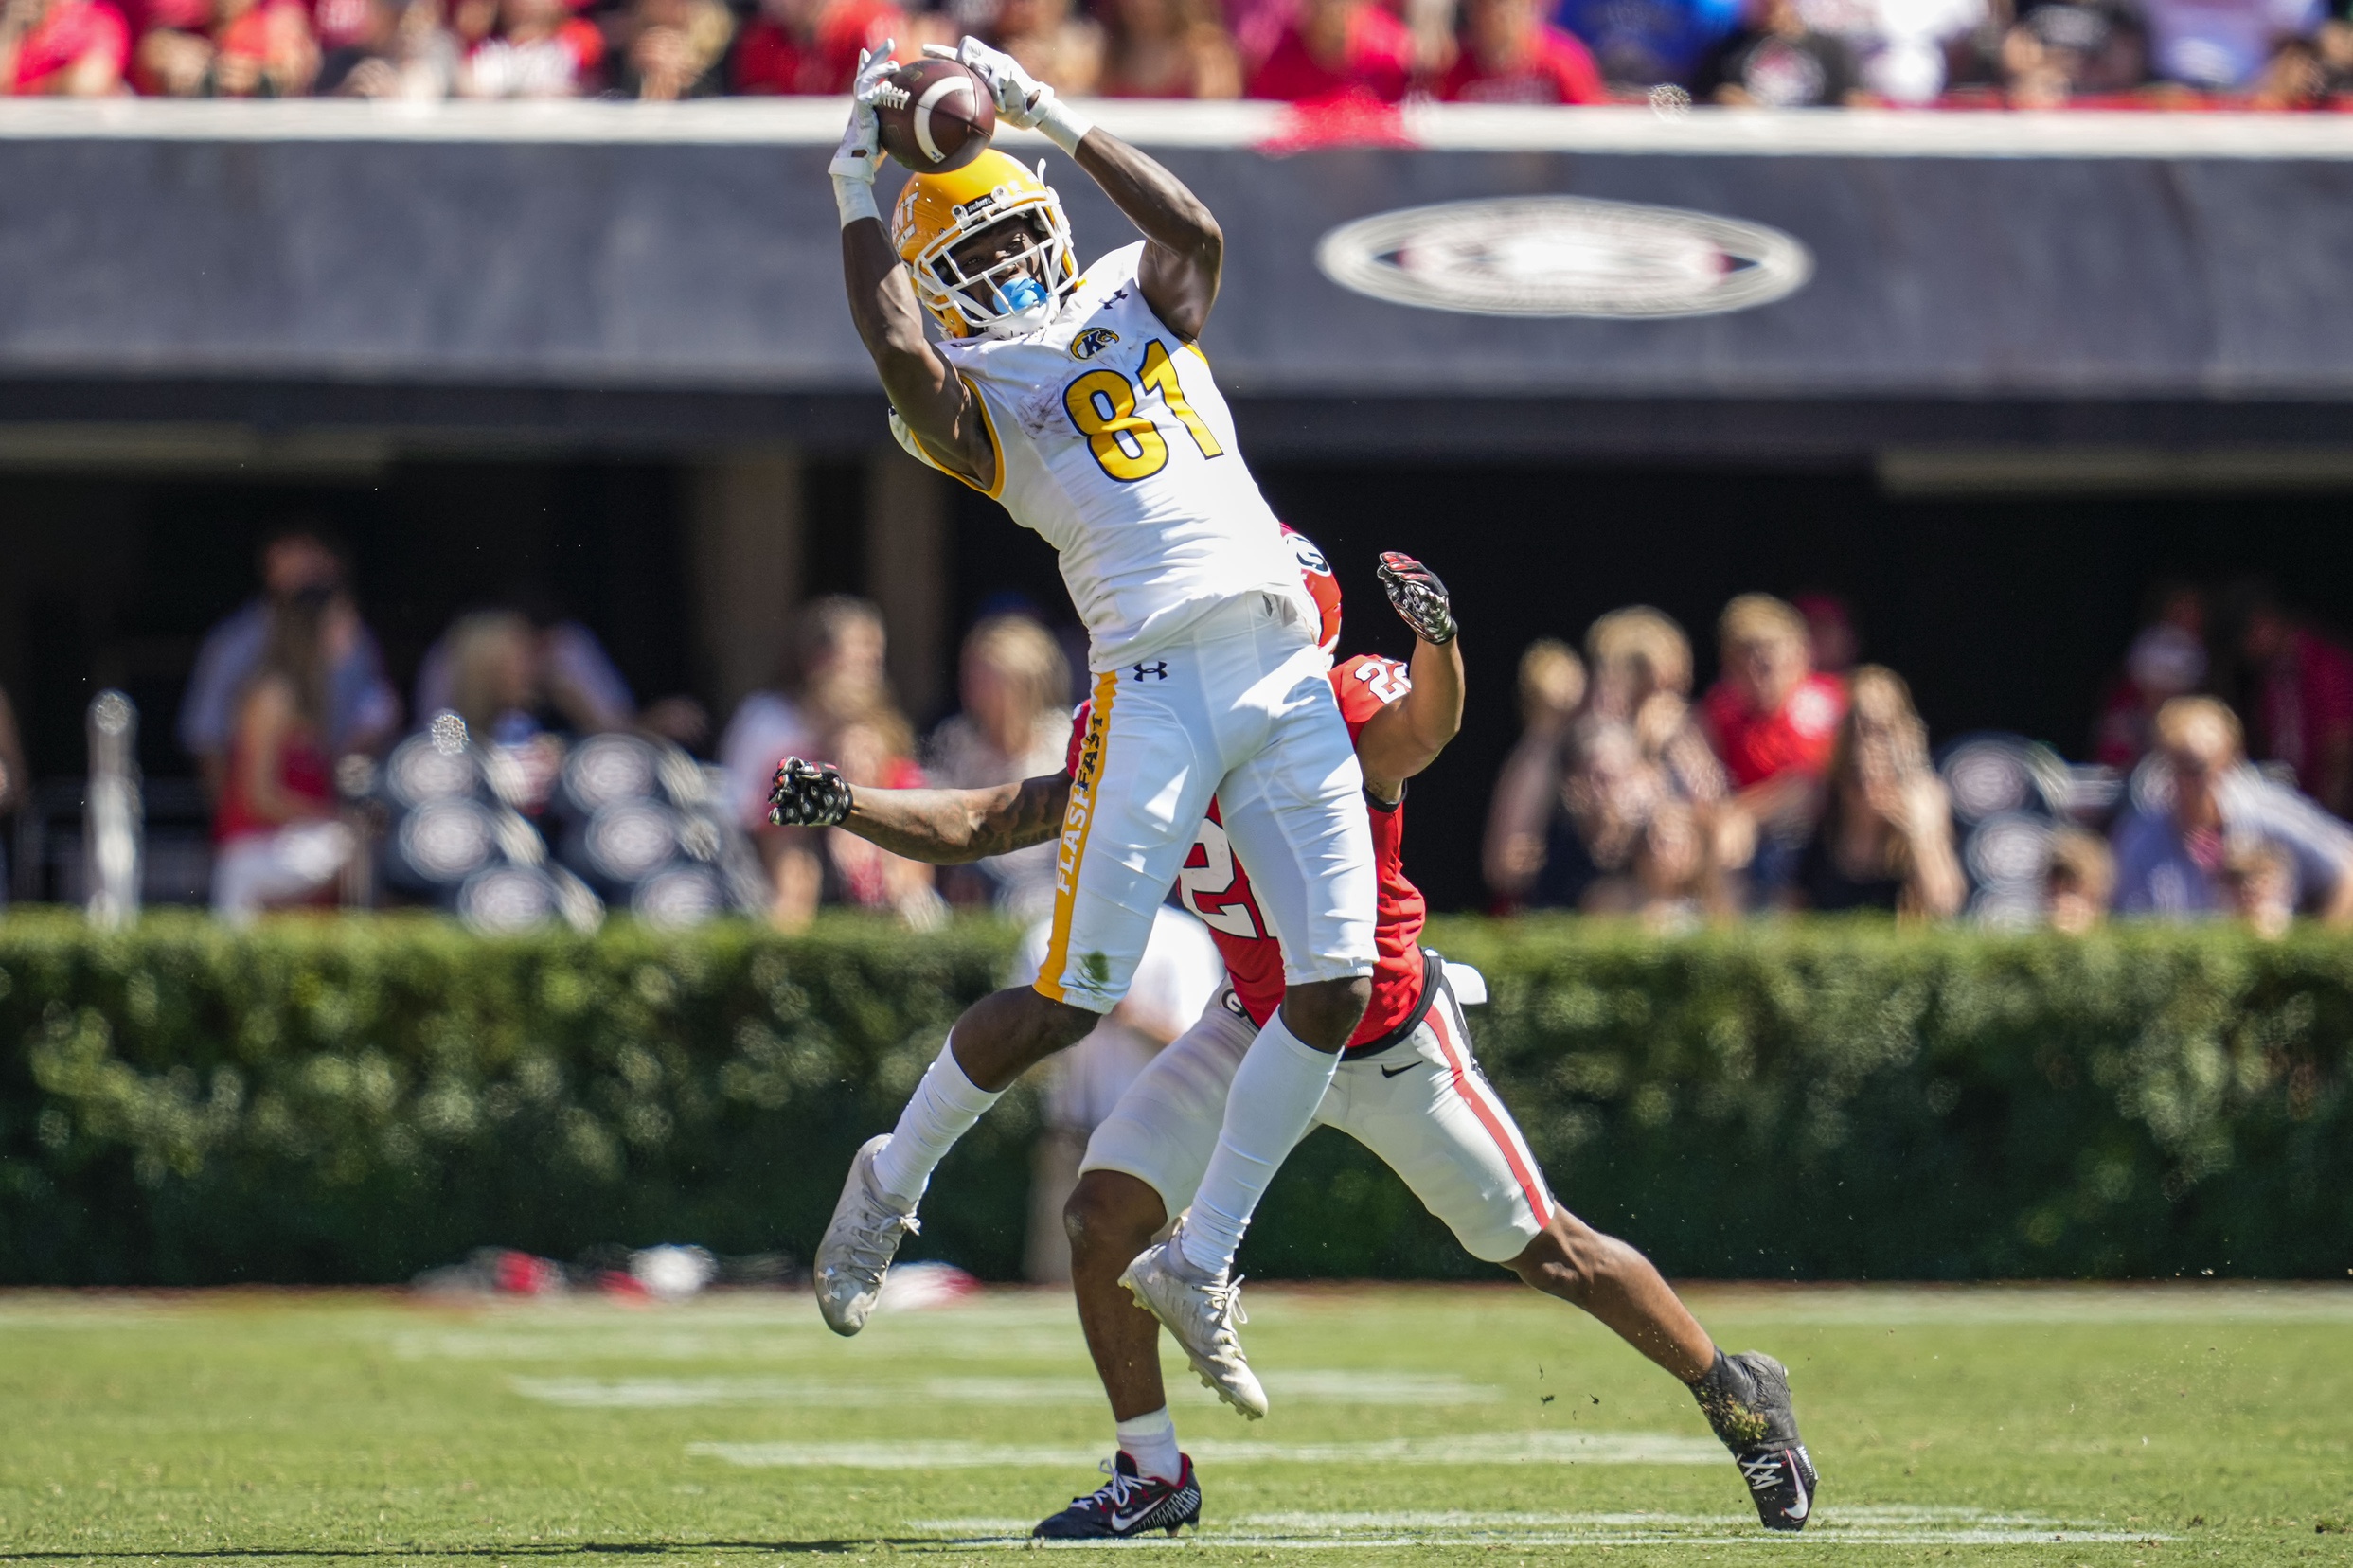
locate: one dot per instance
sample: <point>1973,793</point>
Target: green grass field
<point>1431,1425</point>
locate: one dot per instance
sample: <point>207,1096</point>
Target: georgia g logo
<point>1092,341</point>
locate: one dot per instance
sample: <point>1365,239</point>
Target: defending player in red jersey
<point>1407,1088</point>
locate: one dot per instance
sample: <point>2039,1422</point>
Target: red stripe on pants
<point>1532,1189</point>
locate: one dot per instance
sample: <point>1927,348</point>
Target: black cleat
<point>1747,1400</point>
<point>1127,1504</point>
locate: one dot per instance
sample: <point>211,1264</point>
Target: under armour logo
<point>1151,672</point>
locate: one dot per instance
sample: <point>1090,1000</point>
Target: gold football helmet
<point>936,213</point>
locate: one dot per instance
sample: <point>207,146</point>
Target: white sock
<point>1151,1442</point>
<point>1269,1108</point>
<point>942,1108</point>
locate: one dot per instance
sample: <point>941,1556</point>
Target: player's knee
<point>1322,1013</point>
<point>1060,1025</point>
<point>1566,1260</point>
<point>1110,1218</point>
<point>1007,1032</point>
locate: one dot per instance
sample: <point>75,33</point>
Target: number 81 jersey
<point>1113,443</point>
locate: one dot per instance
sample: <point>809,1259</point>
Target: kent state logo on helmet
<point>937,213</point>
<point>1092,341</point>
<point>1322,587</point>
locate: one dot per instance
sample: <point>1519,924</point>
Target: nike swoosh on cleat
<point>1805,1505</point>
<point>1392,1072</point>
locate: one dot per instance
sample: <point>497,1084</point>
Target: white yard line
<point>1529,1448</point>
<point>1334,1386</point>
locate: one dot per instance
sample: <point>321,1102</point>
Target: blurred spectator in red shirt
<point>1508,54</point>
<point>2300,694</point>
<point>1772,714</point>
<point>539,50</point>
<point>676,49</point>
<point>1167,48</point>
<point>262,50</point>
<point>1338,49</point>
<point>811,47</point>
<point>62,48</point>
<point>227,49</point>
<point>1775,720</point>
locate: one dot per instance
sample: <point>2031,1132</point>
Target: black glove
<point>1419,596</point>
<point>808,794</point>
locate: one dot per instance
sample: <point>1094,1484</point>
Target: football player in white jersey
<point>1078,397</point>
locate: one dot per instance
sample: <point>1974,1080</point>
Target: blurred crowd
<point>1803,779</point>
<point>2032,54</point>
<point>524,752</point>
<point>521,779</point>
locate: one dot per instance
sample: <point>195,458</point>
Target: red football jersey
<point>1213,885</point>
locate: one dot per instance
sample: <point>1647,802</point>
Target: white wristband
<point>1064,126</point>
<point>855,200</point>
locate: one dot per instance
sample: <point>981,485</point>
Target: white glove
<point>1022,101</point>
<point>860,156</point>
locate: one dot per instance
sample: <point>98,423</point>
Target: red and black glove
<point>1419,596</point>
<point>808,794</point>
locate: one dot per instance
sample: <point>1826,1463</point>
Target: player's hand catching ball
<point>1021,99</point>
<point>860,153</point>
<point>808,794</point>
<point>1419,596</point>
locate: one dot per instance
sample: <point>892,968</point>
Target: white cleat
<point>1202,1315</point>
<point>860,1243</point>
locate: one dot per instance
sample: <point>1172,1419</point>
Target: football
<point>935,116</point>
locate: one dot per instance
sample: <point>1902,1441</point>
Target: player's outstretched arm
<point>938,826</point>
<point>1183,247</point>
<point>936,404</point>
<point>1406,737</point>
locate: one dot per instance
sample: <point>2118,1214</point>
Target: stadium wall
<point>649,277</point>
<point>359,1099</point>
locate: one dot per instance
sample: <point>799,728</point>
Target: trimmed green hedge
<point>1836,1098</point>
<point>330,1101</point>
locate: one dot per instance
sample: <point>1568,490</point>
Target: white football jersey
<point>1115,445</point>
